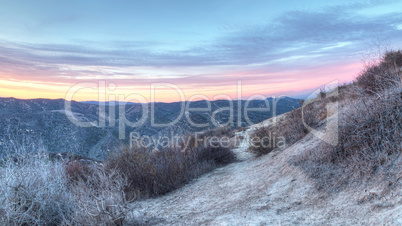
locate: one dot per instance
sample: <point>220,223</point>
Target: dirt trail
<point>266,190</point>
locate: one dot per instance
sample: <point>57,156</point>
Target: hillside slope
<point>268,190</point>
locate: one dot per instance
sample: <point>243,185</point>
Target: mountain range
<point>30,121</point>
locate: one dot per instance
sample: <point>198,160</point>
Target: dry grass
<point>370,129</point>
<point>370,132</point>
<point>369,146</point>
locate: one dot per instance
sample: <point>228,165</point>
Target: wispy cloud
<point>291,43</point>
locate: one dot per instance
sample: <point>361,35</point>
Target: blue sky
<point>199,45</point>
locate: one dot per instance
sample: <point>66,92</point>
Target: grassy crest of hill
<point>369,132</point>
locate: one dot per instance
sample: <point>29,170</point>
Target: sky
<point>50,48</point>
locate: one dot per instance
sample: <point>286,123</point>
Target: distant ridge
<point>106,103</point>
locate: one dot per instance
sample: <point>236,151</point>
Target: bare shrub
<point>34,191</point>
<point>370,134</point>
<point>151,173</point>
<point>157,172</point>
<point>265,139</point>
<point>101,198</point>
<point>382,75</point>
<point>76,170</point>
<point>213,145</point>
<point>394,58</point>
<point>261,139</point>
<point>292,128</point>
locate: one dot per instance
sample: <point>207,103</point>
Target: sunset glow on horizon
<point>261,84</point>
<point>204,48</point>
